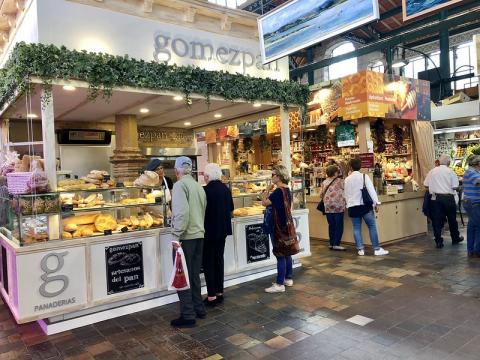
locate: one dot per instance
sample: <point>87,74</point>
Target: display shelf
<point>110,189</point>
<point>108,207</point>
<point>24,143</point>
<point>399,155</point>
<point>467,140</point>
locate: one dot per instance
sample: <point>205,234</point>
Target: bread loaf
<point>105,222</point>
<point>80,219</point>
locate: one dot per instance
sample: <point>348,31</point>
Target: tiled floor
<point>424,304</point>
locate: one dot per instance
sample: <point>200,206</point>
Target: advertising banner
<point>372,94</point>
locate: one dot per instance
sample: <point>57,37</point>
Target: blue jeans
<point>284,268</point>
<point>473,227</point>
<point>335,228</point>
<point>372,230</point>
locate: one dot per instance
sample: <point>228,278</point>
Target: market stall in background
<point>384,120</point>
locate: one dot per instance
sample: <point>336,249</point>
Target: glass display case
<point>247,193</point>
<point>64,215</point>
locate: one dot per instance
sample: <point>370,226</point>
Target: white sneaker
<point>339,248</point>
<point>361,252</point>
<point>275,288</point>
<point>380,252</point>
<point>288,282</point>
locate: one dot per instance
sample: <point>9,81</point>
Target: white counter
<point>62,280</point>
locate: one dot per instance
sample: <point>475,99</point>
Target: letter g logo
<point>47,279</point>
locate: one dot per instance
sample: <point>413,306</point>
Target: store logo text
<point>195,50</point>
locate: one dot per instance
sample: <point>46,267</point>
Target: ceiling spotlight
<point>32,116</point>
<point>144,110</point>
<point>400,63</point>
<point>178,98</point>
<point>217,116</point>
<point>69,88</point>
<point>187,123</point>
<point>331,130</point>
<point>219,144</point>
<point>257,105</point>
<point>294,136</point>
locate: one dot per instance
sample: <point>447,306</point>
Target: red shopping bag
<point>179,277</point>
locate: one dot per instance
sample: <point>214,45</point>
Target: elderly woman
<point>218,225</point>
<point>471,203</point>
<point>333,198</point>
<point>281,207</point>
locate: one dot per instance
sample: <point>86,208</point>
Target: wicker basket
<point>17,182</point>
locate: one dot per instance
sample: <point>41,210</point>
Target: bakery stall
<point>384,120</point>
<point>95,245</point>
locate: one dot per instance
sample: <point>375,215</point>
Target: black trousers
<point>444,206</point>
<point>213,265</point>
<point>191,302</point>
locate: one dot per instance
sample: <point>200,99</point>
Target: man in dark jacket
<point>218,225</point>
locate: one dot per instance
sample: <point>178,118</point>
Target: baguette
<point>80,219</point>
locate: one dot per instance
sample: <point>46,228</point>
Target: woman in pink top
<point>332,194</point>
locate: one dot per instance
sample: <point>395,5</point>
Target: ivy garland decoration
<point>104,72</point>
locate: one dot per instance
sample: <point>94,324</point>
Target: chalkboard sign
<point>258,244</point>
<point>124,267</point>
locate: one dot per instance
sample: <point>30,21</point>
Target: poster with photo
<point>415,8</point>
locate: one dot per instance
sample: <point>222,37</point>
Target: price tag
<point>124,229</point>
<point>120,184</point>
<point>67,207</point>
<point>158,200</point>
<point>106,178</point>
<point>107,232</point>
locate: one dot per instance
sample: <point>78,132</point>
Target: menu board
<point>258,244</point>
<point>372,94</point>
<point>124,267</point>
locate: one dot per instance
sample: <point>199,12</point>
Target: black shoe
<point>458,241</point>
<point>439,245</point>
<point>219,299</point>
<point>210,303</point>
<point>201,315</point>
<point>183,323</point>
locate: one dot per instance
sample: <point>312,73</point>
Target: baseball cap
<point>182,160</point>
<point>153,164</point>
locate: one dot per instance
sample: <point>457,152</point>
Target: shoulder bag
<point>285,240</point>
<point>367,199</point>
<point>321,204</point>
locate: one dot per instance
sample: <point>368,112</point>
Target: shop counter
<point>400,217</point>
<point>97,277</point>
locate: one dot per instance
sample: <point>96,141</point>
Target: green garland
<point>104,72</point>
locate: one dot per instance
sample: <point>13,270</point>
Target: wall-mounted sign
<point>165,137</point>
<point>368,160</point>
<point>124,267</point>
<point>345,135</point>
<point>414,8</point>
<point>258,243</point>
<point>301,23</point>
<point>151,39</point>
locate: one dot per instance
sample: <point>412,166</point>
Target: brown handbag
<point>285,240</point>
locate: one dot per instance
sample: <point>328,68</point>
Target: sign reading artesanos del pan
<point>372,94</point>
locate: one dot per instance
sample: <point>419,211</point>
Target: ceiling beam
<point>453,21</point>
<point>453,32</point>
<point>389,13</point>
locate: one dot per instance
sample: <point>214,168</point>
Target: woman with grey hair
<point>218,225</point>
<point>471,203</point>
<point>281,202</point>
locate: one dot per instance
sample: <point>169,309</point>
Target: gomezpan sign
<point>168,47</point>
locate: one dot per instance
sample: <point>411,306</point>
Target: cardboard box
<point>459,97</point>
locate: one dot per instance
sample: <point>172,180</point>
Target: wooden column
<point>364,134</point>
<point>127,158</point>
<point>285,126</point>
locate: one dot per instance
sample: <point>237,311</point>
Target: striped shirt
<point>471,184</point>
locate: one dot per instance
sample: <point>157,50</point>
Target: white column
<point>49,155</point>
<point>286,156</point>
<point>48,137</point>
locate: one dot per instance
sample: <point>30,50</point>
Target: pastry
<point>77,234</point>
<point>66,235</point>
<point>105,222</point>
<point>86,232</point>
<point>70,227</point>
<point>148,219</point>
<point>134,220</point>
